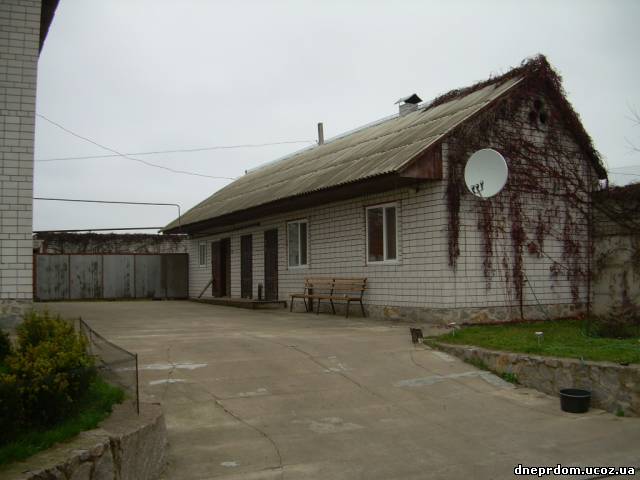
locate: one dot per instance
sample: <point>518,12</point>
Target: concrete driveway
<point>270,395</point>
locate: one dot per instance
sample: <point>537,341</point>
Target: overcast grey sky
<point>148,75</point>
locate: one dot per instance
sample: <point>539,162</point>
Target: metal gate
<point>110,276</point>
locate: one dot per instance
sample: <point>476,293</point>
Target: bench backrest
<point>336,286</point>
<point>349,286</point>
<point>318,284</point>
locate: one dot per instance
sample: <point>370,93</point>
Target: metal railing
<point>114,363</point>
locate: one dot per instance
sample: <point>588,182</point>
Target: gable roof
<point>383,148</point>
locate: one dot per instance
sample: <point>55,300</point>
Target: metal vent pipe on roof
<point>320,133</point>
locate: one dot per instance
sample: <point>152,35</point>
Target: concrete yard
<point>270,394</point>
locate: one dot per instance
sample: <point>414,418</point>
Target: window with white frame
<point>382,233</point>
<point>202,254</point>
<point>297,241</point>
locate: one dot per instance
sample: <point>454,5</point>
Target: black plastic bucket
<point>574,400</point>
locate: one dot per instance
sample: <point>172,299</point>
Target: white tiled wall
<point>19,37</point>
<point>422,276</point>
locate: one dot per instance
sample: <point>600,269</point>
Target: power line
<point>182,150</point>
<point>104,201</point>
<point>144,162</point>
<point>625,166</point>
<point>96,229</point>
<point>118,202</point>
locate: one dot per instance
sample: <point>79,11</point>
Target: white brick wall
<point>19,35</point>
<point>422,277</point>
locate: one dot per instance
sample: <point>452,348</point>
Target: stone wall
<point>444,316</point>
<point>11,312</point>
<point>108,243</point>
<point>615,388</point>
<point>616,279</point>
<point>125,447</point>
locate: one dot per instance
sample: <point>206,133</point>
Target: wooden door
<point>221,268</point>
<point>271,264</point>
<point>246,266</point>
<point>216,269</point>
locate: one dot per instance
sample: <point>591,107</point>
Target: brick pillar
<point>19,41</point>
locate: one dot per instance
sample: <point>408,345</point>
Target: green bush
<point>48,372</point>
<point>38,327</point>
<point>94,406</point>
<point>5,346</point>
<point>11,408</point>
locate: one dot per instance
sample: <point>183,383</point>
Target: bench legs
<point>308,306</point>
<point>364,314</point>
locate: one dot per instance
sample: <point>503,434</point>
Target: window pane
<point>294,251</point>
<point>374,221</point>
<point>303,243</point>
<point>202,254</point>
<point>390,220</point>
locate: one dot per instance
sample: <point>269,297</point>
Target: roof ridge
<point>390,143</point>
<point>364,127</point>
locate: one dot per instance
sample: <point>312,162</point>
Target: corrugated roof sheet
<point>379,149</point>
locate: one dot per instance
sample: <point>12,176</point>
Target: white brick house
<point>23,28</point>
<point>387,202</point>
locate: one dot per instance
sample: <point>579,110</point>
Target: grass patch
<point>509,377</point>
<point>94,407</point>
<point>562,338</point>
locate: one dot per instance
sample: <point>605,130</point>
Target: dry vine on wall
<point>548,191</point>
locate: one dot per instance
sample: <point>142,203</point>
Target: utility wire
<point>144,162</point>
<point>97,229</point>
<point>627,174</point>
<point>182,150</point>
<point>625,166</point>
<point>119,202</point>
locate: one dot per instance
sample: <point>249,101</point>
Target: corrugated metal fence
<point>110,276</point>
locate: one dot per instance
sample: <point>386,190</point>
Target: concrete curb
<point>125,447</point>
<point>614,387</point>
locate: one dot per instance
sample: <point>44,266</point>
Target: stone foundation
<point>11,312</point>
<point>615,388</point>
<point>125,447</point>
<point>443,316</point>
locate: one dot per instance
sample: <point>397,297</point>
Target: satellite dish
<point>485,173</point>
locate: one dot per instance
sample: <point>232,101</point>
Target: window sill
<point>383,262</point>
<point>297,267</point>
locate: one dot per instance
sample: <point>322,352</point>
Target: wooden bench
<point>332,289</point>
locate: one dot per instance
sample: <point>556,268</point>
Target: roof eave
<point>376,184</point>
